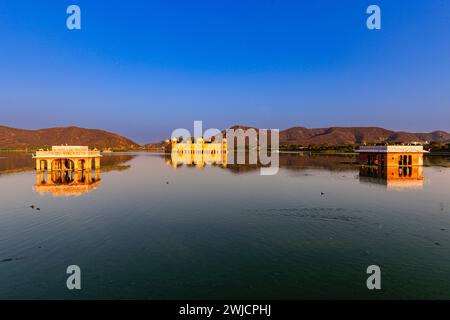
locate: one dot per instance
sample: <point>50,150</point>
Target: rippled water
<point>150,231</point>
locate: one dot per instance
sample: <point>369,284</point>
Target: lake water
<point>147,230</point>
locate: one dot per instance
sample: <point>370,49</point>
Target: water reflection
<point>314,217</point>
<point>67,182</point>
<point>72,183</point>
<point>403,177</point>
<point>293,162</point>
<point>198,159</point>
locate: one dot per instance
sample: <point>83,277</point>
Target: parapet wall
<point>70,148</point>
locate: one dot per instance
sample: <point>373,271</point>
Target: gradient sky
<point>144,68</point>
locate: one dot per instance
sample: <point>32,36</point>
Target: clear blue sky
<point>144,68</point>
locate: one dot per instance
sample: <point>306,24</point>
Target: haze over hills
<point>20,138</point>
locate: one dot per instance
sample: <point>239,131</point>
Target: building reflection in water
<point>62,179</point>
<point>198,160</point>
<point>401,177</point>
<point>66,183</point>
<point>219,159</point>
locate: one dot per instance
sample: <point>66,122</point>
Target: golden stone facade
<point>67,158</point>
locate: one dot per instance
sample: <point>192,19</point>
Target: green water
<point>149,231</point>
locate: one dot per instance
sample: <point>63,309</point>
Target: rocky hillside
<point>11,138</point>
<point>352,135</point>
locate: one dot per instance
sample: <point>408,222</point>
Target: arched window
<point>410,160</point>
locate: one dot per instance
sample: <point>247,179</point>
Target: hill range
<point>352,136</point>
<point>12,138</point>
<point>356,135</point>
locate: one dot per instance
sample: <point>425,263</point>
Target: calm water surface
<point>150,231</point>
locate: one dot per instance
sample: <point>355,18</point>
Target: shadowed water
<point>151,231</point>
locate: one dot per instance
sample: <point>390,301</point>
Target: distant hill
<point>11,138</point>
<point>155,146</point>
<point>352,136</point>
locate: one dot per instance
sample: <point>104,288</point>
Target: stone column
<point>49,165</point>
<point>97,163</point>
<point>75,164</point>
<point>88,164</point>
<point>38,164</point>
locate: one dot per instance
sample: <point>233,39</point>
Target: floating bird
<point>32,206</point>
<point>322,193</point>
<point>167,182</point>
<point>38,208</point>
